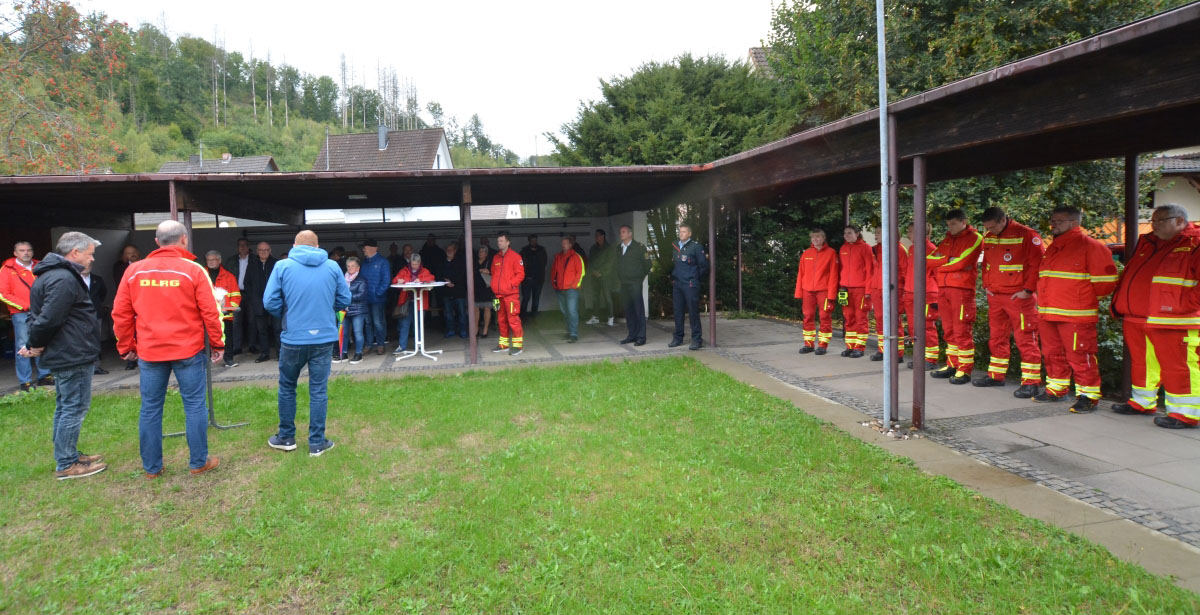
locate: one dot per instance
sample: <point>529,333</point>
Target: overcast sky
<point>523,66</point>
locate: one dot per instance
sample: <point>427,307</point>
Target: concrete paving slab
<point>1131,542</point>
<point>1190,515</point>
<point>1063,462</point>
<point>1145,489</point>
<point>998,439</point>
<point>1184,473</point>
<point>1050,506</point>
<point>1071,432</point>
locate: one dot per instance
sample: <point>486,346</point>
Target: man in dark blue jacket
<point>305,292</point>
<point>65,332</point>
<point>690,267</point>
<point>378,274</point>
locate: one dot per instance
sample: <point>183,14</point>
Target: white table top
<point>412,285</point>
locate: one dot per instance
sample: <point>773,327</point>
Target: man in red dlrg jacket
<point>816,287</point>
<point>956,267</point>
<point>508,269</point>
<point>857,267</point>
<point>1012,255</point>
<point>1158,302</point>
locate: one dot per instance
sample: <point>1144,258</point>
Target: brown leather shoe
<point>158,474</point>
<point>90,459</point>
<point>80,470</point>
<point>208,466</point>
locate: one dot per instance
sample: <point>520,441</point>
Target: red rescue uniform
<point>957,264</point>
<point>1011,261</point>
<point>567,272</point>
<point>1158,300</point>
<point>233,296</point>
<point>507,272</point>
<point>908,303</point>
<point>165,306</point>
<point>857,267</point>
<point>875,291</point>
<point>1076,272</point>
<point>15,283</point>
<point>406,275</point>
<point>816,287</point>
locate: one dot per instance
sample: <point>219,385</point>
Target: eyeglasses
<point>1161,220</point>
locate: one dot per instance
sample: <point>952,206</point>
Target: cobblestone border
<point>940,431</point>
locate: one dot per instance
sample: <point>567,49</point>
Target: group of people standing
<point>1045,298</point>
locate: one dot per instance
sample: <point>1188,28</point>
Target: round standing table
<point>418,304</point>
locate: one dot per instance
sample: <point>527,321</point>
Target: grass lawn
<point>638,487</point>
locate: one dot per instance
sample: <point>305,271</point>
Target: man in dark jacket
<point>535,275</point>
<point>266,327</point>
<point>98,292</point>
<point>378,274</point>
<point>65,333</point>
<point>632,267</point>
<point>689,266</point>
<point>454,296</point>
<point>600,279</point>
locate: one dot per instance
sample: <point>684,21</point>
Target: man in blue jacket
<point>305,292</point>
<point>378,274</point>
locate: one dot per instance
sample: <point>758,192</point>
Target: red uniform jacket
<point>1160,287</point>
<point>1076,271</point>
<point>233,297</point>
<point>15,282</point>
<point>405,276</point>
<point>959,258</point>
<point>818,272</point>
<point>876,285</point>
<point>568,271</point>
<point>1011,259</point>
<point>858,265</point>
<point>931,287</point>
<point>164,307</point>
<point>507,272</point>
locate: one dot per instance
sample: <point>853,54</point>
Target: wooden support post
<point>712,272</point>
<point>1131,239</point>
<point>739,258</point>
<point>917,310</point>
<point>469,253</point>
<point>171,198</point>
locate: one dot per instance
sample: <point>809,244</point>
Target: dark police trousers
<point>635,311</point>
<point>686,296</point>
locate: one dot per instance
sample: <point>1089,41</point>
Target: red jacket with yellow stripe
<point>957,259</point>
<point>568,271</point>
<point>15,283</point>
<point>858,265</point>
<point>233,296</point>
<point>508,269</point>
<point>818,272</point>
<point>1160,287</point>
<point>931,260</point>
<point>164,307</point>
<point>1011,259</point>
<point>1076,271</point>
<point>902,267</point>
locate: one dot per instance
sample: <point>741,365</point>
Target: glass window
<point>440,213</point>
<point>344,216</point>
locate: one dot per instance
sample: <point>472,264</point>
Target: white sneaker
<point>610,321</point>
<point>593,320</point>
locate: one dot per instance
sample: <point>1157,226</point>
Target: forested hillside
<point>84,94</point>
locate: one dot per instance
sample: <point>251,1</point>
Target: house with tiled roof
<point>385,150</point>
<point>1180,180</point>
<point>759,64</point>
<point>225,164</point>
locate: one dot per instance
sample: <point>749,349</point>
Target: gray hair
<point>22,243</point>
<point>212,253</point>
<point>1175,210</point>
<point>415,258</point>
<point>72,241</point>
<point>170,232</point>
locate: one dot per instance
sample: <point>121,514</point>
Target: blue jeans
<point>190,374</point>
<point>405,323</point>
<point>456,316</point>
<point>292,359</point>
<point>376,329</point>
<point>568,304</point>
<point>20,324</point>
<point>352,331</point>
<point>73,397</point>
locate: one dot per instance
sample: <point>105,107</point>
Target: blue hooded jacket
<point>306,290</point>
<point>378,274</point>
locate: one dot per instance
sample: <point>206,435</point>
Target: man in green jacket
<point>632,267</point>
<point>601,279</point>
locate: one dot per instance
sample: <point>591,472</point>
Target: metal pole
<point>1131,239</point>
<point>890,378</point>
<point>469,252</point>
<point>917,322</point>
<point>891,290</point>
<point>171,198</point>
<point>739,257</point>
<point>845,210</point>
<point>712,272</point>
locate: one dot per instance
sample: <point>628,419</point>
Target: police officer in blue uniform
<point>690,266</point>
